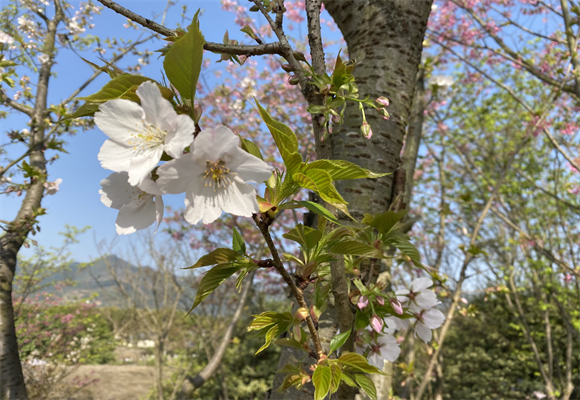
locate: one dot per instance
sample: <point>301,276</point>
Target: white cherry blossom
<point>139,134</point>
<point>426,321</point>
<point>384,348</point>
<point>213,177</point>
<point>139,207</point>
<point>419,294</point>
<point>52,187</point>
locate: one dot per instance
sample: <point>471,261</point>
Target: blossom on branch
<point>139,207</point>
<point>213,177</point>
<point>139,134</point>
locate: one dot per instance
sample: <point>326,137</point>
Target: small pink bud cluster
<point>383,102</point>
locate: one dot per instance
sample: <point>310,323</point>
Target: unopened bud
<point>362,302</point>
<point>385,115</point>
<point>397,306</point>
<point>377,323</point>
<point>366,130</point>
<point>293,80</point>
<point>254,9</point>
<point>25,244</point>
<point>336,119</point>
<point>299,56</point>
<point>380,300</point>
<point>197,111</point>
<point>287,68</point>
<point>301,314</point>
<point>297,331</point>
<point>383,101</point>
<point>9,189</point>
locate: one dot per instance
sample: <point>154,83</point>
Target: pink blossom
<point>376,323</point>
<point>363,301</point>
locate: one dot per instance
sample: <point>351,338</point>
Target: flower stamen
<point>217,172</point>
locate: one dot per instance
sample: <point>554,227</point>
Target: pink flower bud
<point>301,314</point>
<point>363,301</point>
<point>197,111</point>
<point>376,323</point>
<point>380,300</point>
<point>287,67</point>
<point>385,115</point>
<point>366,130</point>
<point>397,306</point>
<point>383,101</point>
<point>293,80</point>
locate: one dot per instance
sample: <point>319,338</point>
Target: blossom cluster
<point>420,301</point>
<point>212,170</point>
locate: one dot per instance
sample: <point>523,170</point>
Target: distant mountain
<point>97,278</point>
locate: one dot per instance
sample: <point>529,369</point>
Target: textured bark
<point>385,37</point>
<point>11,377</point>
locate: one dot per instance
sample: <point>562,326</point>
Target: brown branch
<point>15,105</point>
<point>249,50</point>
<point>263,226</point>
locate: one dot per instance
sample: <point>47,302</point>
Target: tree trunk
<point>11,378</point>
<point>385,37</point>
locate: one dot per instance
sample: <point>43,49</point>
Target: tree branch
<point>289,281</point>
<point>249,50</point>
<point>15,105</point>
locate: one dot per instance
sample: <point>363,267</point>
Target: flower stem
<point>263,226</point>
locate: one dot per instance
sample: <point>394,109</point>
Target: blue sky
<point>78,201</point>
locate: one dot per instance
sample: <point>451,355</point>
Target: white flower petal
<point>239,198</point>
<point>391,323</point>
<point>180,136</point>
<point>176,176</point>
<point>201,208</point>
<point>433,318</point>
<point>390,349</point>
<point>376,360</point>
<point>249,167</point>
<point>212,144</point>
<point>114,156</point>
<point>159,209</point>
<point>420,284</point>
<point>426,299</point>
<point>158,111</point>
<point>120,119</point>
<point>116,191</point>
<point>143,164</point>
<point>423,331</point>
<point>136,216</point>
<point>149,186</point>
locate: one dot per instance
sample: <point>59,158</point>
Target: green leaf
<point>354,248</point>
<point>285,139</point>
<point>336,376</point>
<point>319,181</point>
<point>337,341</point>
<point>86,110</point>
<point>320,210</point>
<point>251,148</point>
<point>384,222</point>
<point>361,320</point>
<point>218,256</point>
<point>343,170</point>
<point>182,62</point>
<point>212,279</point>
<point>238,243</point>
<point>123,87</point>
<point>367,385</point>
<point>347,378</point>
<point>321,380</point>
<point>269,318</point>
<point>289,342</point>
<point>273,333</point>
<point>403,244</point>
<point>306,236</point>
<point>357,361</point>
<point>290,380</point>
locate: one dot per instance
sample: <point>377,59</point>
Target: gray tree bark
<point>11,378</point>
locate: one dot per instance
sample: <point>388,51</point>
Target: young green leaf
<point>357,361</point>
<point>122,87</point>
<point>320,210</point>
<point>336,376</point>
<point>343,170</point>
<point>250,147</point>
<point>384,222</point>
<point>367,385</point>
<point>337,341</point>
<point>182,62</point>
<point>354,248</point>
<point>321,380</point>
<point>212,279</point>
<point>238,243</point>
<point>218,256</point>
